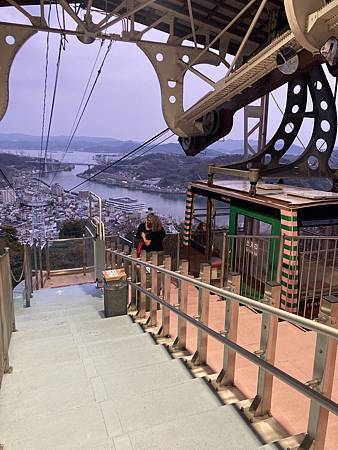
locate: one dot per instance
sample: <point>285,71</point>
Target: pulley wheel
<point>187,143</point>
<point>211,122</point>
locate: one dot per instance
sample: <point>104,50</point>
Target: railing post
<point>47,259</point>
<point>261,404</point>
<point>133,277</point>
<point>166,296</point>
<point>143,280</point>
<point>36,273</point>
<point>119,259</point>
<point>113,256</point>
<point>28,275</point>
<point>84,255</point>
<point>40,263</point>
<point>10,290</point>
<point>183,286</point>
<point>30,269</point>
<point>227,374</point>
<point>99,259</point>
<point>125,262</point>
<point>200,356</point>
<point>154,290</point>
<point>224,247</point>
<point>178,251</point>
<point>323,375</point>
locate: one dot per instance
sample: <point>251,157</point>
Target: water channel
<point>165,204</point>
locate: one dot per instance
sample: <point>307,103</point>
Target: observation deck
<point>156,378</point>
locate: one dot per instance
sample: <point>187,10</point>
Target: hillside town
<point>41,216</point>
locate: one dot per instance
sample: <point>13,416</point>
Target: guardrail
<point>318,390</point>
<point>7,320</point>
<point>43,260</point>
<point>306,266</point>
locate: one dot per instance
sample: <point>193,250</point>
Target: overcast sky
<point>125,104</point>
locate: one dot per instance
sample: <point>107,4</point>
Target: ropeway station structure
<point>230,337</point>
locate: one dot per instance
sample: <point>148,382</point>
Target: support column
<point>133,277</point>
<point>200,356</point>
<point>187,221</point>
<point>290,265</point>
<point>323,376</point>
<point>143,280</point>
<point>154,290</point>
<point>261,405</point>
<point>99,259</point>
<point>227,374</point>
<point>166,297</point>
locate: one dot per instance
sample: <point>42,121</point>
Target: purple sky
<point>126,102</point>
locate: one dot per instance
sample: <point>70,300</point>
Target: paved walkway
<point>81,381</point>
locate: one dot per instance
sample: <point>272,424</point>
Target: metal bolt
<point>313,383</point>
<point>224,332</point>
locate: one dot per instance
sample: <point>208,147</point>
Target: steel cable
<point>22,272</point>
<point>75,123</point>
<point>127,155</point>
<point>44,97</point>
<point>58,63</point>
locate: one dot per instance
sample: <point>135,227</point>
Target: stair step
<point>108,342</point>
<point>129,383</point>
<point>117,361</point>
<point>119,322</point>
<point>222,428</point>
<point>147,410</point>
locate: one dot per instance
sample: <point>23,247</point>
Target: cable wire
<point>6,179</point>
<point>44,96</point>
<point>76,122</point>
<point>58,63</point>
<point>18,280</point>
<point>127,155</point>
<point>136,158</point>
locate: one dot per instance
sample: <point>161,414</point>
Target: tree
<point>9,239</point>
<point>72,229</point>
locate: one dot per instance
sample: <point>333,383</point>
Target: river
<point>165,204</point>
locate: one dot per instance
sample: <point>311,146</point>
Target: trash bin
<point>115,292</point>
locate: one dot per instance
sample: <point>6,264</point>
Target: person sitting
<point>153,238</point>
<point>143,229</point>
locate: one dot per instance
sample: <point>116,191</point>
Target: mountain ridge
<point>21,141</point>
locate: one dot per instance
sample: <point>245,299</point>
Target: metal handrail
<point>128,241</point>
<point>92,194</point>
<point>297,320</point>
<point>70,239</point>
<point>323,401</point>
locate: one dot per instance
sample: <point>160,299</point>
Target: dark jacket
<point>156,238</point>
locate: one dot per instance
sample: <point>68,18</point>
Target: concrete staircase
<point>82,381</point>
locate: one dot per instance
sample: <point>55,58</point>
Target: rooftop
<point>272,195</point>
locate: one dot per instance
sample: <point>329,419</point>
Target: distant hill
<point>22,142</point>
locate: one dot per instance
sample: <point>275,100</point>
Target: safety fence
<point>306,267</point>
<point>150,286</point>
<point>7,321</point>
<point>45,259</point>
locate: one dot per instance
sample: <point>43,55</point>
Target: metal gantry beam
<point>216,28</point>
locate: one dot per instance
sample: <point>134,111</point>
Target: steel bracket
<point>171,64</point>
<point>314,160</point>
<point>11,40</point>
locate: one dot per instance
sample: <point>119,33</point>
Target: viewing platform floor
<point>82,381</point>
